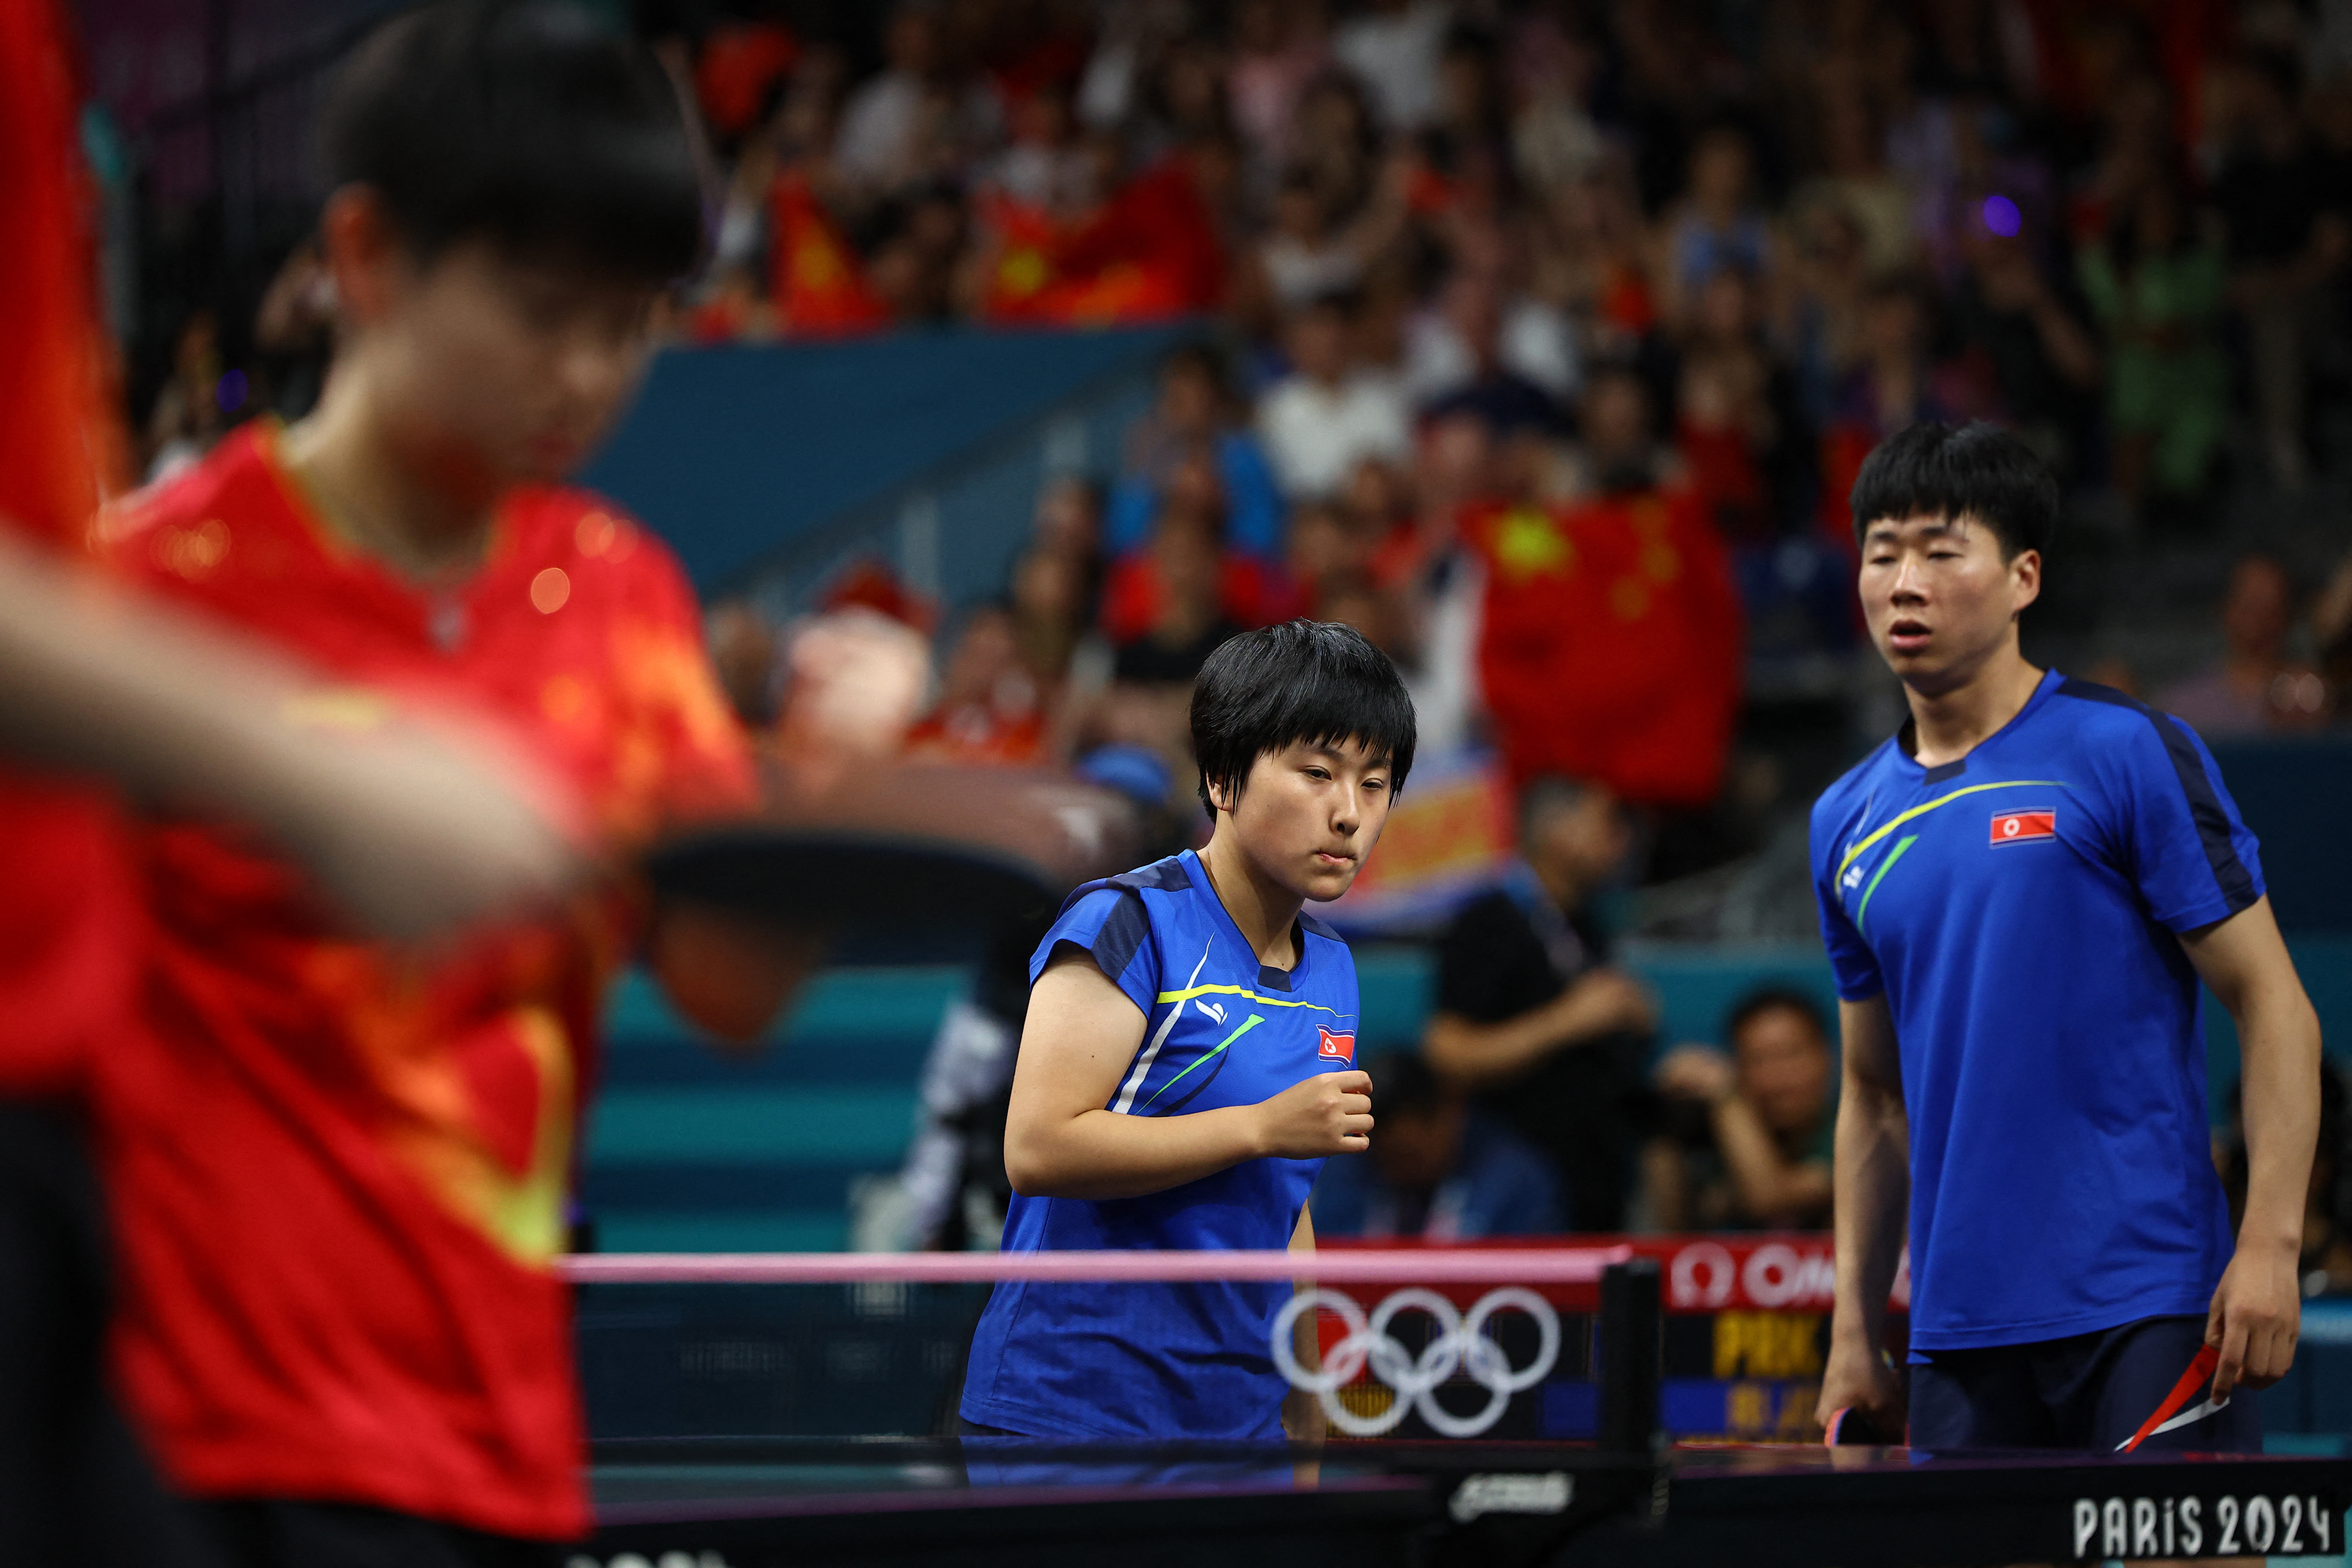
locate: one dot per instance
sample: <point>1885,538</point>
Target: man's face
<point>496,371</point>
<point>1784,1068</point>
<point>1309,814</point>
<point>1939,599</point>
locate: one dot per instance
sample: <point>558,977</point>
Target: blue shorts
<point>2087,1391</point>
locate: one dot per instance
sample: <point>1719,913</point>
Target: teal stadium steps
<point>691,1148</point>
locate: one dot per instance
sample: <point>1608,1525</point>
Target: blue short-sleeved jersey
<point>2018,909</point>
<point>1170,1360</point>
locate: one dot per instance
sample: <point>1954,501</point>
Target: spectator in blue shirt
<point>1196,414</point>
<point>1436,1168</point>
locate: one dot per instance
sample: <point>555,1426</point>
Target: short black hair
<point>523,122</point>
<point>1317,681</point>
<point>1775,998</point>
<point>1975,470</point>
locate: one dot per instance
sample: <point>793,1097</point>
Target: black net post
<point>1630,1356</point>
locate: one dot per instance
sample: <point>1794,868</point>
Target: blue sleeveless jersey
<point>1114,1359</point>
<point>2019,909</point>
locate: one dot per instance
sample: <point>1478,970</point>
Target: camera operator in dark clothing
<point>1532,1019</point>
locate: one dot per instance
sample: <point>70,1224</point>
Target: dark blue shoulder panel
<point>2236,882</point>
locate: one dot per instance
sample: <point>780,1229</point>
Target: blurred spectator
<point>1436,582</point>
<point>187,417</point>
<point>1195,415</point>
<point>1717,223</point>
<point>2284,206</point>
<point>1043,167</point>
<point>1146,591</point>
<point>1760,1124</point>
<point>1309,253</point>
<point>911,121</point>
<point>2254,687</point>
<point>1436,1170</point>
<point>1394,46</point>
<point>1468,352</point>
<point>1335,144</point>
<point>1738,423</point>
<point>990,710</point>
<point>1329,415</point>
<point>293,331</point>
<point>743,651</point>
<point>1821,315</point>
<point>2155,289</point>
<point>1531,1018</point>
<point>1278,46</point>
<point>1167,609</point>
<point>853,682</point>
<point>2040,363</point>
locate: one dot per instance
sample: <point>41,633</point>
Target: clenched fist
<point>1330,1113</point>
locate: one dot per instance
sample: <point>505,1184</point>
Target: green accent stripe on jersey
<point>1191,990</point>
<point>1861,915</point>
<point>1253,1021</point>
<point>1854,853</point>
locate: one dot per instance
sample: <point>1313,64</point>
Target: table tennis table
<point>688,1505</point>
<point>1406,1495</point>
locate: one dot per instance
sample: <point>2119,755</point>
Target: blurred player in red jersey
<point>403,831</point>
<point>339,1172</point>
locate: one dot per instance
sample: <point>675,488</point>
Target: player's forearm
<point>2279,1042</point>
<point>1872,1183</point>
<point>1101,1154</point>
<point>93,681</point>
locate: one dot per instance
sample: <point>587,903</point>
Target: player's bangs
<point>1319,683</point>
<point>1977,470</point>
<point>524,124</point>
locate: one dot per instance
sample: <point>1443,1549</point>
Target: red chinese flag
<point>1612,643</point>
<point>819,283</point>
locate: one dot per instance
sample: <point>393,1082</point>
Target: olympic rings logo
<point>1460,1343</point>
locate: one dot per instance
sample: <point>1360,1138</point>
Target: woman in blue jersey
<point>1189,1060</point>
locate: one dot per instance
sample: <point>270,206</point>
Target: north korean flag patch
<point>1340,1048</point>
<point>2023,827</point>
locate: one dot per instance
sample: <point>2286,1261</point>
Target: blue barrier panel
<point>2292,793</point>
<point>732,452</point>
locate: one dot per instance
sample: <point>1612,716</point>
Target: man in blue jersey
<point>2020,893</point>
<point>1188,1061</point>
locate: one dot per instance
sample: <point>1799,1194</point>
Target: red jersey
<point>338,1173</point>
<point>69,918</point>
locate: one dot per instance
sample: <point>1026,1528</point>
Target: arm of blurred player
<point>1872,1186</point>
<point>2257,1310</point>
<point>407,830</point>
<point>1473,1056</point>
<point>1081,1036</point>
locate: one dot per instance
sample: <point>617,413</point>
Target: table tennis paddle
<point>1850,1427</point>
<point>918,845</point>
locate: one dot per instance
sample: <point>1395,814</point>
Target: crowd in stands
<point>1552,333</point>
<point>1541,341</point>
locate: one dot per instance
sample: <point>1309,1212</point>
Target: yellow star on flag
<point>1528,542</point>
